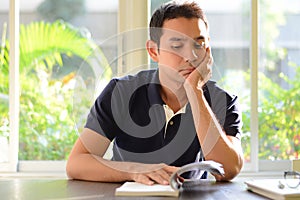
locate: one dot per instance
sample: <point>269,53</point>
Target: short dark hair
<point>173,10</point>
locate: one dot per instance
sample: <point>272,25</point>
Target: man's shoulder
<point>141,75</point>
<point>133,81</point>
<point>214,90</point>
<point>212,86</point>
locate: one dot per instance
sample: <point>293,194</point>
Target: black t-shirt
<point>130,111</point>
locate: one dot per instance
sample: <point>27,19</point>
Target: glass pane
<point>279,106</point>
<point>230,42</point>
<point>59,55</point>
<point>4,82</point>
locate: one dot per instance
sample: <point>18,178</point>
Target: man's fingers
<point>208,56</point>
<point>160,177</point>
<point>205,67</point>
<point>156,173</point>
<point>170,169</point>
<point>144,180</point>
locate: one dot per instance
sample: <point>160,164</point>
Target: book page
<point>139,189</point>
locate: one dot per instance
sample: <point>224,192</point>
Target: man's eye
<point>176,46</point>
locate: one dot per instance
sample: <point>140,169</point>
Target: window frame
<point>14,89</point>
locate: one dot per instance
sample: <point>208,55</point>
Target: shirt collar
<point>169,112</point>
<point>154,90</point>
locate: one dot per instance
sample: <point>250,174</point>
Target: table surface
<point>57,189</point>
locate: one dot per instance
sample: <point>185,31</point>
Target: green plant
<point>278,106</point>
<point>4,59</point>
<point>47,127</point>
<point>278,111</point>
<point>279,121</point>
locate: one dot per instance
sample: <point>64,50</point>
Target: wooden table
<point>58,189</point>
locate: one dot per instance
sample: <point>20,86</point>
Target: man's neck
<point>174,99</point>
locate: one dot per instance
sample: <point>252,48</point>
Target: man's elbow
<point>230,175</point>
<point>71,169</point>
<point>232,172</point>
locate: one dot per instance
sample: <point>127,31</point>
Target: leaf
<point>41,41</point>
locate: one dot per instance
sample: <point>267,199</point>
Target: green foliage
<point>278,108</point>
<point>279,120</point>
<point>278,111</point>
<point>237,80</point>
<point>47,125</point>
<point>43,44</point>
<point>46,128</point>
<point>4,59</point>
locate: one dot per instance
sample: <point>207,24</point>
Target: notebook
<point>139,189</point>
<point>270,188</point>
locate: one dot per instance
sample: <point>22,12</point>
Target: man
<point>162,119</point>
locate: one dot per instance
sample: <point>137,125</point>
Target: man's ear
<point>152,49</point>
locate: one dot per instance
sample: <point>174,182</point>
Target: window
<point>256,54</point>
<point>262,67</point>
<point>230,42</point>
<point>51,29</point>
<point>51,65</point>
<point>279,129</point>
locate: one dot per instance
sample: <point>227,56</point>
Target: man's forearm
<point>94,168</point>
<point>214,142</point>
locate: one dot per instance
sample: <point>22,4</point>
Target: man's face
<point>182,47</point>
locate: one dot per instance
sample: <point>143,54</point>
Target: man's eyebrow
<point>177,39</point>
<point>201,37</point>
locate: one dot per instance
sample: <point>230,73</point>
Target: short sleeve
<point>226,109</point>
<point>100,117</point>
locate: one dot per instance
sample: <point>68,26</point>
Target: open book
<point>176,181</point>
<point>273,188</point>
